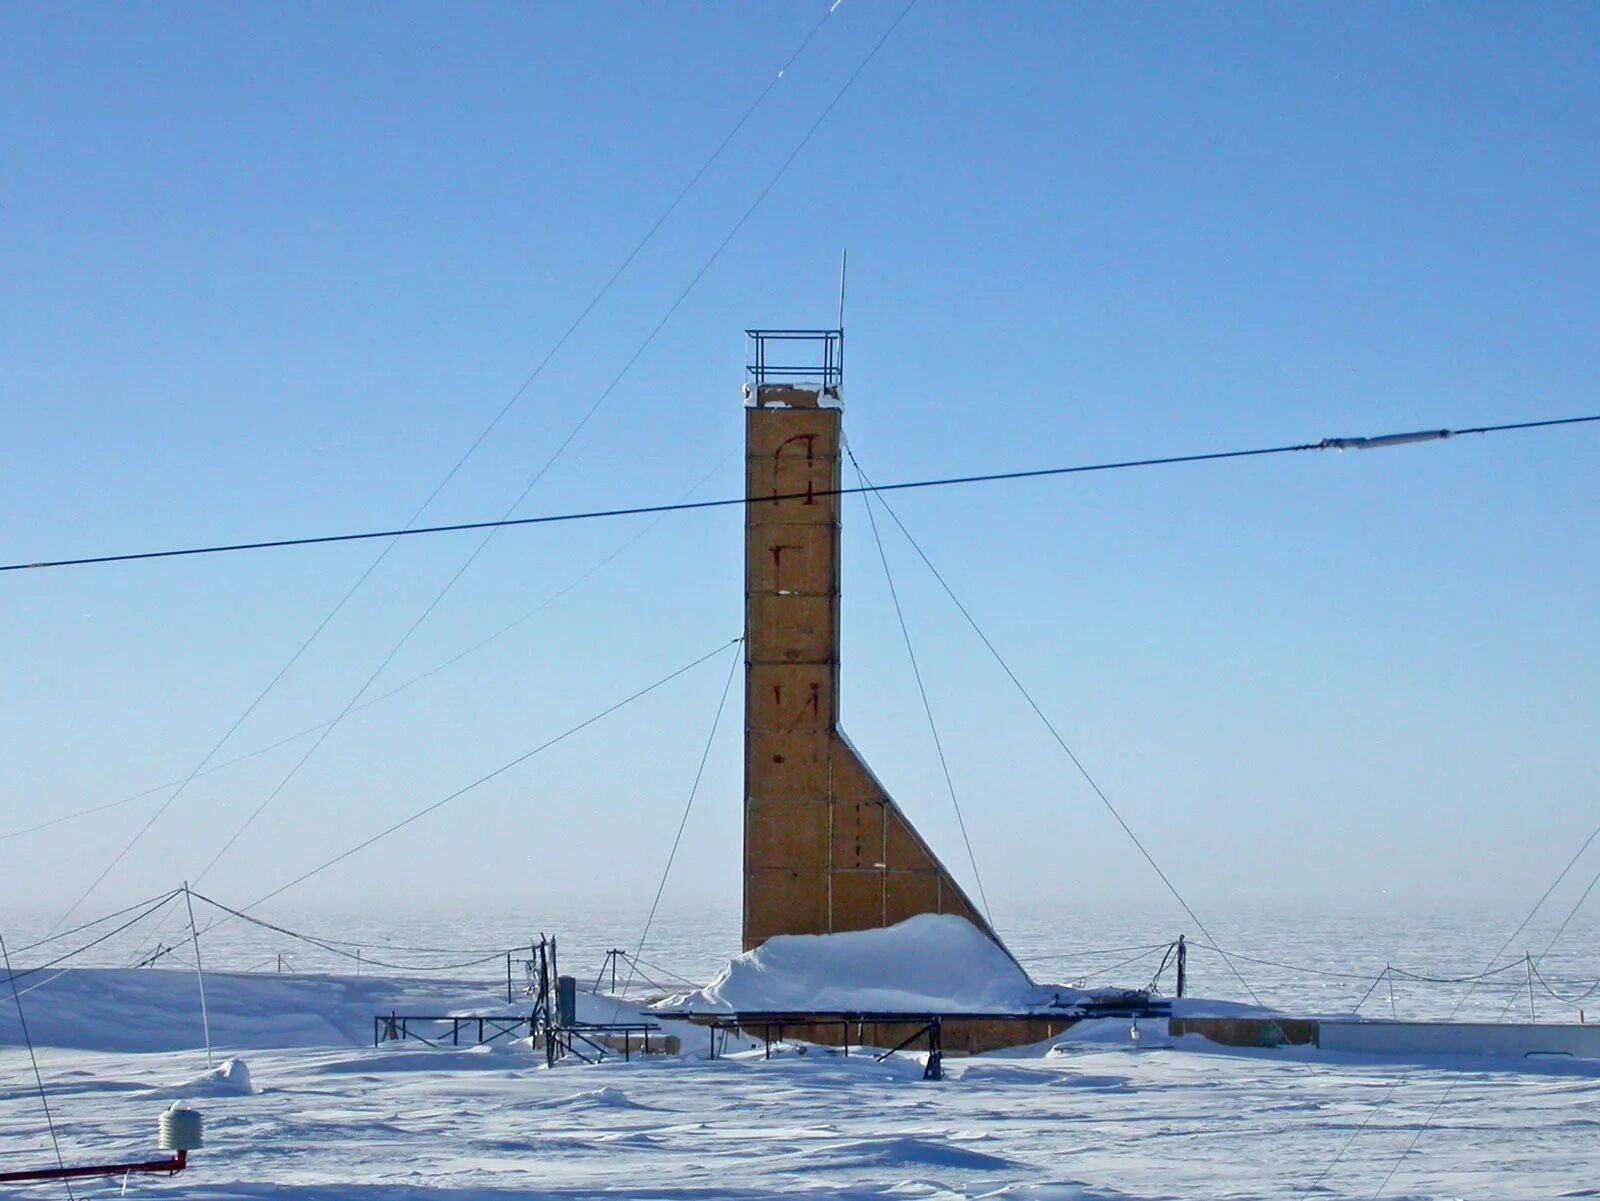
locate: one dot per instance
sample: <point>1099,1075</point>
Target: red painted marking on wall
<point>810,444</point>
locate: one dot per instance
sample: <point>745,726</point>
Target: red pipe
<point>171,1167</point>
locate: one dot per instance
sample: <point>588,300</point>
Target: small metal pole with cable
<point>199,973</point>
<point>1371,988</point>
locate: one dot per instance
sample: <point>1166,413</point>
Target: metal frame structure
<point>396,1027</point>
<point>771,1026</point>
<point>826,371</point>
<point>561,1038</point>
<point>560,1031</point>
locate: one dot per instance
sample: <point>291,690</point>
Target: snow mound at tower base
<point>931,963</point>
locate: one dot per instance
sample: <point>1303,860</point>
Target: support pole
<point>1528,959</point>
<point>934,1069</point>
<point>1183,964</point>
<point>199,973</point>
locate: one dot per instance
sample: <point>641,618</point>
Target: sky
<point>270,271</point>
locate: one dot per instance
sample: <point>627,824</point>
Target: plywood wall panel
<point>786,834</point>
<point>795,697</point>
<point>787,765</point>
<point>784,901</point>
<point>795,628</point>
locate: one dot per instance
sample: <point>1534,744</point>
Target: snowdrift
<point>931,962</point>
<point>157,1009</point>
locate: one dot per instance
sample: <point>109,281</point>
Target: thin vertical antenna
<point>844,262</point>
<point>199,974</point>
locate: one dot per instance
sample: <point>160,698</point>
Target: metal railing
<point>817,358</point>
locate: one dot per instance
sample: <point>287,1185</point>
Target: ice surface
<point>1095,1121</point>
<point>321,1114</point>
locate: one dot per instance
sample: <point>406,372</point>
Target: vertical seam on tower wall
<point>832,806</point>
<point>749,536</point>
<point>836,634</point>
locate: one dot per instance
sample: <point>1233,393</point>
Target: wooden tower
<point>826,849</point>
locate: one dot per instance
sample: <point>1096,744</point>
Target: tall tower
<point>826,849</point>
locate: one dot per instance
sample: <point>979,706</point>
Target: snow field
<point>322,1114</point>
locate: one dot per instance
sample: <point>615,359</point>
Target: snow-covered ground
<point>319,1112</point>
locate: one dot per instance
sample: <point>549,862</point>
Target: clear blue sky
<point>268,270</point>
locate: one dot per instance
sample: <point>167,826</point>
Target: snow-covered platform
<point>932,975</point>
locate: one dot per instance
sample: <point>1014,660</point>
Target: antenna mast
<point>844,262</point>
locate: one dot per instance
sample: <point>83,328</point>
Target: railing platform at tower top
<point>820,355</point>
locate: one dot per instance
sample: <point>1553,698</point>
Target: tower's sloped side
<point>826,849</point>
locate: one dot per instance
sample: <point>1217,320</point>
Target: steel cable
<point>690,506</point>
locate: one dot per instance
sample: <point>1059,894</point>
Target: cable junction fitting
<point>1384,440</point>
